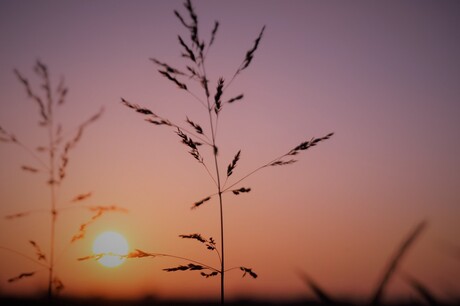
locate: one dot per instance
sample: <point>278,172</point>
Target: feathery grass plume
<point>320,293</point>
<point>421,289</point>
<point>48,99</point>
<point>396,260</point>
<point>194,50</point>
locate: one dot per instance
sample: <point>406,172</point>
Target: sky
<point>383,76</point>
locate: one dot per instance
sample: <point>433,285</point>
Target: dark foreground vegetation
<point>6,301</point>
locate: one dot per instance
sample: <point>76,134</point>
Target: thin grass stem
<point>25,256</point>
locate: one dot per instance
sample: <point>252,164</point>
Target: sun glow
<point>113,245</point>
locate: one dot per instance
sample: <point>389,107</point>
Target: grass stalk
<point>195,50</point>
<point>53,212</point>
<point>55,168</point>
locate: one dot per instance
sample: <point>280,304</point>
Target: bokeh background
<point>384,76</point>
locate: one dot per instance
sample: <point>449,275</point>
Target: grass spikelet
<point>213,33</point>
<point>283,163</point>
<point>190,266</point>
<point>396,260</point>
<point>94,256</point>
<point>207,275</point>
<point>250,54</point>
<point>248,271</point>
<point>104,209</point>
<point>201,202</point>
<point>232,165</point>
<point>31,94</point>
<point>6,137</point>
<point>17,215</point>
<point>30,169</point>
<point>159,122</point>
<point>218,95</point>
<point>167,67</point>
<point>197,127</point>
<point>193,145</point>
<point>62,91</point>
<point>21,276</point>
<point>308,144</point>
<point>194,236</point>
<point>241,190</point>
<point>234,99</point>
<point>139,254</point>
<point>210,244</point>
<point>82,197</point>
<point>173,79</point>
<point>154,118</point>
<point>188,52</point>
<point>38,251</point>
<point>137,108</point>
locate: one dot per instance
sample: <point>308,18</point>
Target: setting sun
<point>113,245</point>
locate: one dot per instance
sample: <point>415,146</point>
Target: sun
<point>114,245</point>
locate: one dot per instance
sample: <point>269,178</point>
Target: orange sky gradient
<point>382,75</point>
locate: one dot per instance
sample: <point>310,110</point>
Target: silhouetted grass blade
<point>396,259</point>
<point>421,289</point>
<point>320,293</point>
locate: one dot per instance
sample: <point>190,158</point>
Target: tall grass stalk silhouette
<point>196,138</point>
<point>51,160</point>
